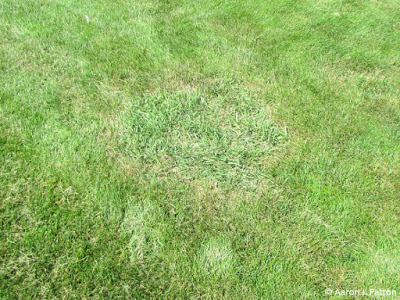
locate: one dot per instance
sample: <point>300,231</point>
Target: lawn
<point>199,149</point>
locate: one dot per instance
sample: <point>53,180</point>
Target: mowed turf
<point>199,149</point>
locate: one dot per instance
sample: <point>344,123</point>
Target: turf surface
<point>199,149</point>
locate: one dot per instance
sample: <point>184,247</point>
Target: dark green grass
<point>213,149</point>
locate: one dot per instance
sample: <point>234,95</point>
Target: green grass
<point>199,149</point>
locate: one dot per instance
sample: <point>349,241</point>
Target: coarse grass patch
<point>226,139</point>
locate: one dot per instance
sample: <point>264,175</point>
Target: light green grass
<point>199,149</point>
